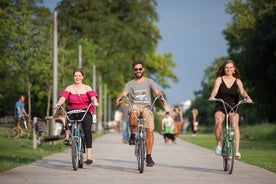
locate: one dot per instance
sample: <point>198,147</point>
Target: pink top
<point>79,101</point>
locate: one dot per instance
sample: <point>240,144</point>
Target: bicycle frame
<point>141,130</point>
<point>228,135</point>
<point>77,135</point>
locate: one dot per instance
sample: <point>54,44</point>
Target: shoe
<point>132,140</point>
<point>67,142</point>
<point>88,162</point>
<point>149,161</point>
<point>218,151</point>
<point>237,155</point>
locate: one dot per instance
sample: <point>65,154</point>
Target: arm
<point>157,92</point>
<point>243,92</point>
<point>60,102</point>
<point>123,94</point>
<point>215,89</point>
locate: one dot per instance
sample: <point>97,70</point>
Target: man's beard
<point>139,76</point>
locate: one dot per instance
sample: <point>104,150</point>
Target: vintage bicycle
<point>228,135</point>
<point>140,148</point>
<point>75,117</point>
<point>21,128</point>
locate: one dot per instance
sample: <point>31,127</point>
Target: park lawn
<point>17,152</point>
<point>260,153</point>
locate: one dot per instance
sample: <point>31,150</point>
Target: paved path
<point>114,162</point>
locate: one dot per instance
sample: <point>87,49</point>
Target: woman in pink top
<point>79,96</point>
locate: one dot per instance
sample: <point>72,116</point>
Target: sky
<point>192,31</point>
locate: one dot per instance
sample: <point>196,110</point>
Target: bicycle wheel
<point>141,150</point>
<point>74,153</point>
<point>141,156</point>
<point>81,143</point>
<point>224,155</point>
<point>13,132</point>
<point>231,156</point>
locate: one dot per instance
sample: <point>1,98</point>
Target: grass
<point>257,146</point>
<point>17,152</point>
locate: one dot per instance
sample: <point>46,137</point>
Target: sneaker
<point>218,151</point>
<point>132,139</point>
<point>237,155</point>
<point>67,142</point>
<point>89,161</point>
<point>149,161</point>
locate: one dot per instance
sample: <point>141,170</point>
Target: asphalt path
<point>114,162</point>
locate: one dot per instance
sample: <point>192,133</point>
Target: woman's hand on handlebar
<point>57,106</point>
<point>248,100</point>
<point>211,98</point>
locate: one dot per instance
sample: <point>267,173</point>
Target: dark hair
<point>167,113</point>
<point>221,70</point>
<point>78,70</point>
<point>176,107</point>
<point>136,62</point>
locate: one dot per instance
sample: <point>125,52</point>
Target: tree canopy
<point>251,36</point>
<point>111,33</point>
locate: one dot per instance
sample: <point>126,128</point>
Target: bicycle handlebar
<point>226,104</point>
<point>76,111</point>
<point>148,107</point>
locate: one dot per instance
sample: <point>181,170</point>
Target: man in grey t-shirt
<point>140,91</point>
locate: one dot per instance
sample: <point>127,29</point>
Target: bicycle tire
<point>141,156</point>
<point>224,156</point>
<point>13,132</point>
<point>81,152</point>
<point>231,156</point>
<point>74,153</point>
<point>141,150</point>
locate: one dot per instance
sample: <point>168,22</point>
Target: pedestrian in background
<point>168,128</point>
<point>194,121</point>
<point>124,121</point>
<point>178,120</point>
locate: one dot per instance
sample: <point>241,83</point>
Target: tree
<point>120,31</point>
<point>251,38</point>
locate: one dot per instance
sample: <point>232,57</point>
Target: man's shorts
<point>147,115</point>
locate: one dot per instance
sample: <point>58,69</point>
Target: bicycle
<point>75,118</point>
<point>140,147</point>
<point>21,128</point>
<point>228,135</point>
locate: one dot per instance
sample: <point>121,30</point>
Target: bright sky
<point>192,31</point>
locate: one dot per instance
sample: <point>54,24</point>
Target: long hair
<point>221,70</point>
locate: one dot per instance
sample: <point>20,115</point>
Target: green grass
<point>17,152</point>
<point>257,146</point>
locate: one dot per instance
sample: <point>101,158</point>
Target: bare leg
<point>149,140</point>
<point>89,153</point>
<point>132,123</point>
<point>219,118</point>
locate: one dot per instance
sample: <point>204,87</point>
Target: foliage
<point>111,33</point>
<point>251,39</point>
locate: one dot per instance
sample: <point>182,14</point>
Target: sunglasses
<point>138,69</point>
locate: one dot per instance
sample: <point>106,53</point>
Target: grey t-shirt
<point>140,93</point>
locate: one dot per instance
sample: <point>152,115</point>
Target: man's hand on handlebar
<point>163,100</point>
<point>118,100</point>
